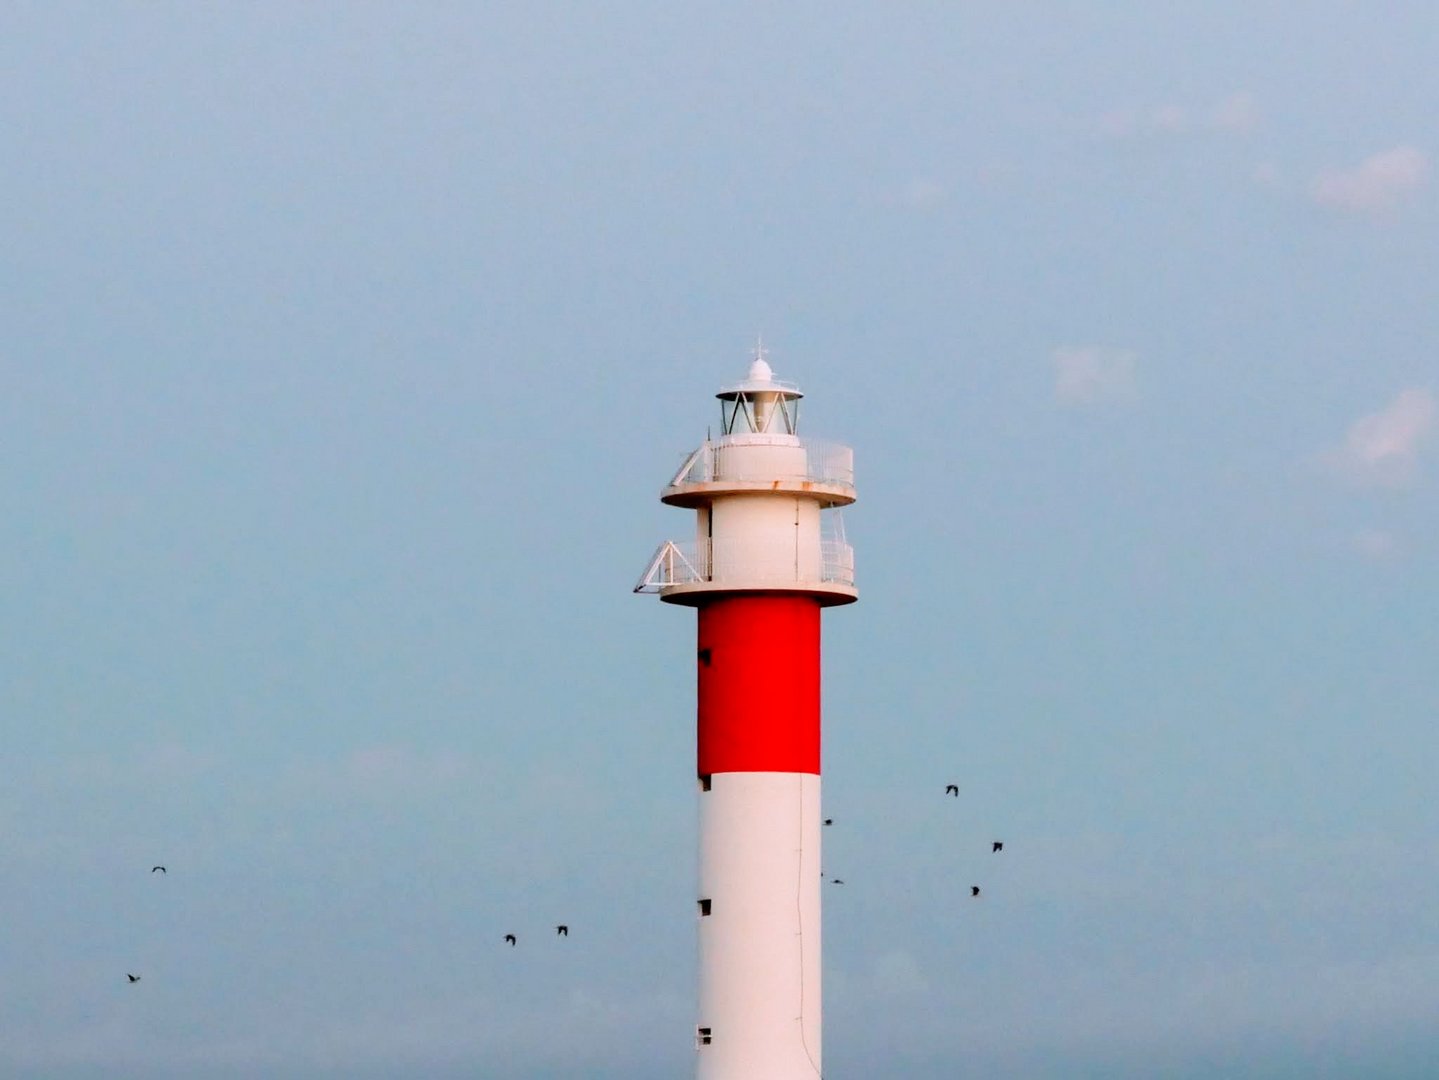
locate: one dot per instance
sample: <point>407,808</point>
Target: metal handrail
<point>688,563</point>
<point>825,463</point>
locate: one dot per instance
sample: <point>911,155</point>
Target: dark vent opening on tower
<point>705,906</point>
<point>704,657</point>
<point>704,781</point>
<point>702,1036</point>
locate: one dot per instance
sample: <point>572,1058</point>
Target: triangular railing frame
<point>661,571</point>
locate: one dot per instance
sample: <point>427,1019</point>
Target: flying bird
<point>159,868</point>
<point>132,978</point>
<point>998,846</point>
<point>511,939</point>
<point>974,890</point>
<point>562,930</point>
<point>835,881</point>
<point>829,821</point>
<point>952,789</point>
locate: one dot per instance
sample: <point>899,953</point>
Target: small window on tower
<point>702,1036</point>
<point>704,657</point>
<point>705,906</point>
<point>704,781</point>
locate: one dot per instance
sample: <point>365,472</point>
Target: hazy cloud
<point>391,763</point>
<point>1266,174</point>
<point>385,770</point>
<point>595,1022</point>
<point>1376,544</point>
<point>1377,184</point>
<point>1382,449</point>
<point>921,193</point>
<point>1092,374</point>
<point>159,763</point>
<point>1237,114</point>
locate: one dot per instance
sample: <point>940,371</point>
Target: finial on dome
<point>759,369</point>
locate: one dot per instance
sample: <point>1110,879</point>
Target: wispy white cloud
<point>421,1035</point>
<point>1383,448</point>
<point>398,763</point>
<point>385,770</point>
<point>1093,374</point>
<point>158,763</point>
<point>1237,114</point>
<point>1267,175</point>
<point>1170,119</point>
<point>921,193</point>
<point>1377,184</point>
<point>1379,545</point>
<point>591,1022</point>
<point>1130,123</point>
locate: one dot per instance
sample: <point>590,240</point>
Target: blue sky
<point>346,348</point>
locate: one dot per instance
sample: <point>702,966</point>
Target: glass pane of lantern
<point>727,414</point>
<point>744,419</point>
<point>787,407</point>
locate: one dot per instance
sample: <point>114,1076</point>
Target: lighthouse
<point>768,555</point>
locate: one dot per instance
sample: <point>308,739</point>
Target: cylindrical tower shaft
<point>759,843</point>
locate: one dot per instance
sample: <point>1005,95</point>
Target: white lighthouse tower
<point>768,555</point>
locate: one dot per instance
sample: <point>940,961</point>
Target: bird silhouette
<point>132,978</point>
<point>998,846</point>
<point>511,939</point>
<point>974,890</point>
<point>835,881</point>
<point>159,868</point>
<point>829,821</point>
<point>562,930</point>
<point>952,789</point>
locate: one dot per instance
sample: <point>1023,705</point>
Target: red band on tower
<point>759,682</point>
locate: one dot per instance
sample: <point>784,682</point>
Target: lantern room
<point>761,404</point>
